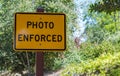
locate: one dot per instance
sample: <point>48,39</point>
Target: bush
<point>88,51</point>
<point>99,66</point>
<point>91,51</point>
<point>53,61</point>
<point>115,72</point>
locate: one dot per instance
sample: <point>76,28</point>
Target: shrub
<point>99,66</point>
<point>91,51</point>
<point>115,72</point>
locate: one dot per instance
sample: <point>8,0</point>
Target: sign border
<point>14,41</point>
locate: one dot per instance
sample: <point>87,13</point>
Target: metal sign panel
<point>40,31</point>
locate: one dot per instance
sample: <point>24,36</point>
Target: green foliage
<point>94,30</point>
<point>17,62</point>
<point>95,34</point>
<point>52,61</point>
<point>11,60</point>
<point>59,60</point>
<point>94,59</point>
<point>115,72</point>
<point>107,6</point>
<point>100,54</point>
<point>102,26</point>
<point>114,38</point>
<point>99,66</point>
<point>94,50</point>
<point>110,28</point>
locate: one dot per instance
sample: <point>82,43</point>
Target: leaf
<point>1,33</point>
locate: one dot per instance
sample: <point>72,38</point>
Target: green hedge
<point>93,50</point>
<point>100,66</point>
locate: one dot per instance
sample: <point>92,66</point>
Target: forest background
<point>97,51</point>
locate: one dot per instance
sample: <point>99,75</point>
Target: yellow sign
<point>40,31</point>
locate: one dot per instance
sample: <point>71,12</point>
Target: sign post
<point>39,32</point>
<point>39,56</point>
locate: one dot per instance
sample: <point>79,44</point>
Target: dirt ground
<point>55,73</point>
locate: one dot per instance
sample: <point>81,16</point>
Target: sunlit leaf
<point>1,33</point>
